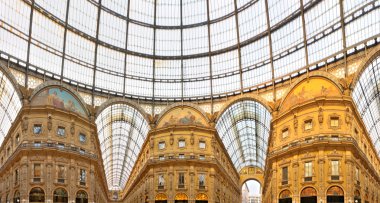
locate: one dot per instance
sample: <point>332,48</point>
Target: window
<point>82,177</point>
<point>61,131</point>
<point>61,174</point>
<point>308,124</point>
<point>308,171</point>
<point>202,157</point>
<point>16,176</point>
<point>161,181</point>
<point>285,133</point>
<point>9,151</point>
<point>357,176</point>
<point>334,170</point>
<point>181,180</point>
<point>37,129</point>
<point>17,138</point>
<point>334,121</point>
<point>161,157</point>
<point>334,137</point>
<point>37,173</point>
<point>61,146</point>
<point>181,143</point>
<point>161,145</point>
<point>202,145</point>
<point>202,181</point>
<point>181,156</point>
<point>37,144</point>
<point>284,175</point>
<point>82,151</point>
<point>82,138</point>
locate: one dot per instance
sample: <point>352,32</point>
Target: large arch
<point>10,101</point>
<point>244,128</point>
<point>366,95</point>
<point>122,130</point>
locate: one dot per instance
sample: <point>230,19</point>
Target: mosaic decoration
<point>182,116</point>
<point>335,191</point>
<point>285,194</point>
<point>308,192</point>
<point>58,98</point>
<point>181,196</point>
<point>308,90</point>
<point>201,196</point>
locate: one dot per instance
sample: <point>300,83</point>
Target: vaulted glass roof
<point>122,131</point>
<point>10,105</point>
<point>185,49</point>
<point>244,130</point>
<point>366,95</point>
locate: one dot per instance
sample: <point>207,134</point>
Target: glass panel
<point>83,15</point>
<point>140,38</point>
<point>57,8</point>
<point>45,60</point>
<point>168,69</point>
<point>194,11</point>
<point>139,87</point>
<point>120,7</point>
<point>252,21</point>
<point>139,66</point>
<point>47,31</point>
<point>197,67</point>
<point>221,8</point>
<point>196,88</point>
<point>226,84</point>
<point>16,13</point>
<point>142,10</point>
<point>168,12</point>
<point>195,40</point>
<point>168,42</point>
<point>223,34</point>
<point>224,63</point>
<point>112,29</point>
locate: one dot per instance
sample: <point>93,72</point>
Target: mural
<point>285,194</point>
<point>58,98</point>
<point>308,90</point>
<point>182,116</point>
<point>335,191</point>
<point>161,196</point>
<point>308,192</point>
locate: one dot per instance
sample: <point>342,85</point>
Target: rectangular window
<point>181,143</point>
<point>161,157</point>
<point>161,181</point>
<point>82,138</point>
<point>61,174</point>
<point>37,173</point>
<point>61,131</point>
<point>357,176</point>
<point>37,144</point>
<point>202,145</point>
<point>61,146</point>
<point>181,180</point>
<point>285,133</point>
<point>37,129</point>
<point>82,177</point>
<point>181,156</point>
<point>334,170</point>
<point>202,157</point>
<point>17,138</point>
<point>308,171</point>
<point>202,181</point>
<point>334,122</point>
<point>161,145</point>
<point>82,151</point>
<point>16,176</point>
<point>308,124</point>
<point>285,175</point>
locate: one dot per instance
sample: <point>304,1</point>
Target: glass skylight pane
<point>57,8</point>
<point>223,34</point>
<point>45,60</point>
<point>83,15</point>
<point>194,11</point>
<point>168,69</point>
<point>198,88</point>
<point>140,38</point>
<point>326,46</point>
<point>321,16</point>
<point>142,10</point>
<point>223,63</point>
<point>351,5</point>
<point>255,53</point>
<point>78,72</point>
<point>15,46</point>
<point>120,7</point>
<point>252,21</point>
<point>168,42</point>
<point>16,13</point>
<point>139,66</point>
<point>112,29</point>
<point>110,59</point>
<point>80,48</point>
<point>139,87</point>
<point>195,40</point>
<point>257,76</point>
<point>226,84</point>
<point>168,12</point>
<point>197,67</point>
<point>47,31</point>
<point>167,90</point>
<point>221,8</point>
<point>109,81</point>
<point>288,36</point>
<point>279,10</point>
<point>289,63</point>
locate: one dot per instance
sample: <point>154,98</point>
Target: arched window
<point>309,195</point>
<point>16,197</point>
<point>244,130</point>
<point>285,197</point>
<point>201,198</point>
<point>36,195</point>
<point>335,194</point>
<point>60,196</point>
<point>161,198</point>
<point>122,130</point>
<point>251,189</point>
<point>181,198</point>
<point>81,197</point>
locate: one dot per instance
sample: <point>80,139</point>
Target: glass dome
<point>182,50</point>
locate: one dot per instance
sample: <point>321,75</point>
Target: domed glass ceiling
<point>183,49</point>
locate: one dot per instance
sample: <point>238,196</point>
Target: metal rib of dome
<point>182,50</point>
